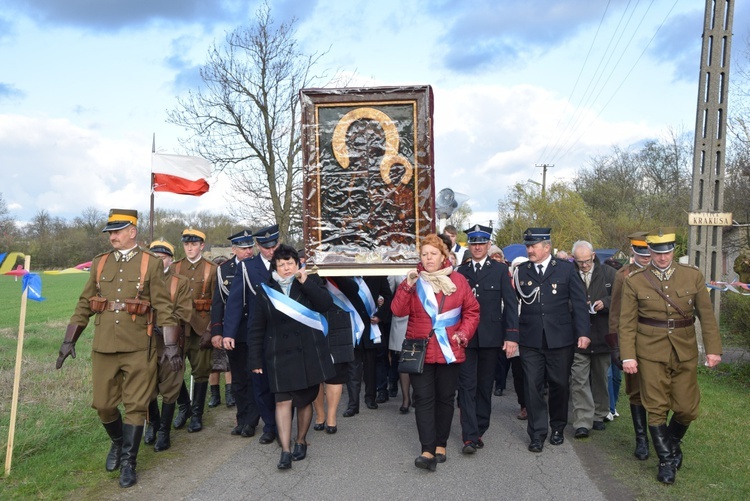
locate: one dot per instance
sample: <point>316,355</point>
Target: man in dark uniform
<point>123,289</point>
<point>168,382</point>
<point>365,351</point>
<point>657,340</point>
<point>201,274</point>
<point>641,258</point>
<point>242,386</point>
<point>252,272</point>
<point>498,329</point>
<point>554,320</point>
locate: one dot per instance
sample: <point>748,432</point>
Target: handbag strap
<point>650,280</point>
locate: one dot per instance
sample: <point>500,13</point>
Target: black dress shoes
<point>536,445</point>
<point>581,433</point>
<point>557,438</point>
<point>350,412</point>
<point>331,429</point>
<point>599,425</point>
<point>426,463</point>
<point>248,431</point>
<point>498,392</point>
<point>237,430</point>
<point>393,390</point>
<point>371,405</point>
<point>267,438</point>
<point>299,452</point>
<point>469,447</point>
<point>382,397</point>
<point>285,462</point>
<point>479,443</point>
<point>319,426</point>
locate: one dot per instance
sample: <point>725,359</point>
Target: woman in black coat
<point>295,350</point>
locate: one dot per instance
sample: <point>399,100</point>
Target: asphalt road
<point>372,457</point>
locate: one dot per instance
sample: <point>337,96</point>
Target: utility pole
<point>544,168</point>
<point>705,242</point>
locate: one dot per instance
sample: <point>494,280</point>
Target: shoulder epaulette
<point>688,265</point>
<point>103,254</point>
<point>635,272</point>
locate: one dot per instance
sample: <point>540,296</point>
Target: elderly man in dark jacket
<point>588,387</point>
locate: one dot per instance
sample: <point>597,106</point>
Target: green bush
<point>735,319</point>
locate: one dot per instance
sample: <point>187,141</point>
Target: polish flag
<point>180,174</point>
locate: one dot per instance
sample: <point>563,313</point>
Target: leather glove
<point>616,361</point>
<point>68,348</point>
<point>205,342</point>
<point>172,356</point>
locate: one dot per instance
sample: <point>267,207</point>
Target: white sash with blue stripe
<point>370,306</point>
<point>340,300</point>
<point>295,310</point>
<point>439,320</point>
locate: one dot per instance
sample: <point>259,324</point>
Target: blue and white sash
<point>295,310</point>
<point>340,300</point>
<point>370,306</point>
<point>439,320</point>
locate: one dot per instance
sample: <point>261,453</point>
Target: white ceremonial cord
<point>526,298</point>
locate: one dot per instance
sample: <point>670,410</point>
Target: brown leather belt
<point>116,306</point>
<point>668,324</point>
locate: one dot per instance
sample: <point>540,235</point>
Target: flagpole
<point>17,374</point>
<point>151,176</point>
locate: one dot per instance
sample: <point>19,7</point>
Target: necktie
<point>477,267</point>
<point>587,279</point>
<point>539,269</point>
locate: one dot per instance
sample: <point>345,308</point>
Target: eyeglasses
<point>586,262</point>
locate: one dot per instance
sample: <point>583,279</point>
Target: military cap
<point>638,243</point>
<point>120,218</point>
<point>535,235</point>
<point>162,247</point>
<point>661,240</point>
<point>243,239</point>
<point>191,235</point>
<point>479,234</point>
<point>268,237</point>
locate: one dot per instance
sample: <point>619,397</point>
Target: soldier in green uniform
<point>201,275</point>
<point>168,382</point>
<point>124,289</point>
<point>657,340</point>
<point>641,258</point>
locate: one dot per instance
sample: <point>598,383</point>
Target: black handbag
<point>413,352</point>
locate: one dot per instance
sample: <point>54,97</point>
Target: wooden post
<point>17,374</point>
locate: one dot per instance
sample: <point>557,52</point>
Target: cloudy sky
<point>85,83</point>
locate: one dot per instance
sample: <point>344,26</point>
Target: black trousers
<point>242,388</point>
<point>363,367</point>
<point>434,392</point>
<point>555,364</point>
<point>475,379</point>
<point>505,364</point>
<point>265,400</point>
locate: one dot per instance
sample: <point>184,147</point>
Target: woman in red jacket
<point>431,290</point>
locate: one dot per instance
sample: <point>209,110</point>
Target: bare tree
<point>245,118</point>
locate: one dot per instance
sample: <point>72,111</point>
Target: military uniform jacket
<point>195,274</point>
<point>498,304</point>
<point>600,289</point>
<point>557,310</point>
<point>250,273</point>
<point>182,300</point>
<point>686,287</point>
<point>614,307</point>
<point>116,331</point>
<point>224,276</point>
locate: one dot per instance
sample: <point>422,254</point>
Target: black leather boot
<point>663,448</point>
<point>676,432</point>
<point>229,396</point>
<point>183,404</point>
<point>638,412</point>
<point>215,399</point>
<point>149,436</point>
<point>199,401</point>
<point>393,389</point>
<point>131,440</point>
<point>114,430</point>
<point>162,436</point>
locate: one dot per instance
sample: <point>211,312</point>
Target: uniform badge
<point>529,284</point>
<point>554,288</point>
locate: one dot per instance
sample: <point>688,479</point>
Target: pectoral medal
<point>554,288</point>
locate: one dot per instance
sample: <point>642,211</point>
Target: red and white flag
<point>180,174</point>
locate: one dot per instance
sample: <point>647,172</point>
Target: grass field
<point>60,444</point>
